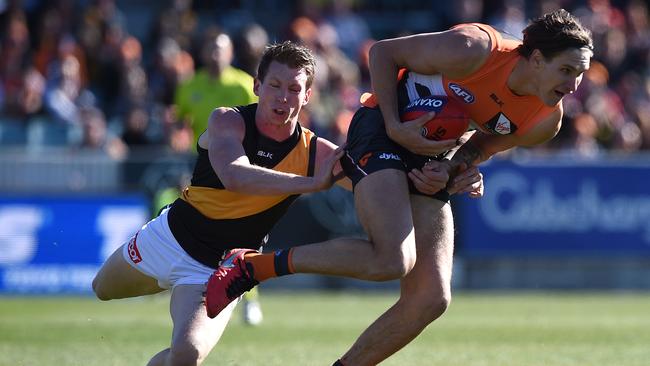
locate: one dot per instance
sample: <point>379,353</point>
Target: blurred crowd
<point>72,74</point>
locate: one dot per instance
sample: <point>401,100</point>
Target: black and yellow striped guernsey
<point>208,219</point>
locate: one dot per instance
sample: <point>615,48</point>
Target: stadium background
<point>84,161</point>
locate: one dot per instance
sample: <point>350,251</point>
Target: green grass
<point>316,328</point>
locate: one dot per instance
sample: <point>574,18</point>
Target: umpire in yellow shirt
<point>217,83</point>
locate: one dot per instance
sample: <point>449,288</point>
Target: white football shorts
<point>154,251</point>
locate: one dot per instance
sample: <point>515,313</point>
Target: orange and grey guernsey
<point>209,219</point>
<point>491,105</point>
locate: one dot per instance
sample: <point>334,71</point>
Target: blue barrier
<point>56,244</point>
<point>537,207</point>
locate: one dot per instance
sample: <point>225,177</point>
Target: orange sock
<point>270,265</point>
<point>263,266</point>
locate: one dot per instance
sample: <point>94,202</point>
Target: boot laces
<point>241,283</point>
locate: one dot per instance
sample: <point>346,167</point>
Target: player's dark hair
<point>291,54</point>
<point>554,33</point>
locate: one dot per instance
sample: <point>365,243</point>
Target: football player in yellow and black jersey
<point>253,161</point>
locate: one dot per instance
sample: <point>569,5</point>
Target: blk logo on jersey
<point>265,154</point>
<point>501,125</point>
<point>496,100</point>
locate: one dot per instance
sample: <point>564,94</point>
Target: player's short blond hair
<point>291,54</point>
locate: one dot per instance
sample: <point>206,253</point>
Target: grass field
<point>315,328</point>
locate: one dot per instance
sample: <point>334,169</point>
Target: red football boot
<point>228,282</point>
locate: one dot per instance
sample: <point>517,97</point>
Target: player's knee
<point>403,260</point>
<point>185,354</point>
<point>398,268</point>
<point>434,306</point>
<point>394,266</point>
<point>99,291</point>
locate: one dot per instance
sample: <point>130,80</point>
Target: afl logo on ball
<point>134,253</point>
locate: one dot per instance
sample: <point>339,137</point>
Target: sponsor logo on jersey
<point>501,125</point>
<point>462,93</point>
<point>132,248</point>
<point>431,102</point>
<point>389,156</point>
<point>265,154</point>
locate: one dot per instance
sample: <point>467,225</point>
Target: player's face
<point>562,74</point>
<point>282,93</point>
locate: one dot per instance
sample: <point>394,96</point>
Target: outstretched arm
<point>228,159</point>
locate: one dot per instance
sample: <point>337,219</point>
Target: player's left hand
<point>468,180</point>
<point>431,178</point>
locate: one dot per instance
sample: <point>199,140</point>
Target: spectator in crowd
<point>351,29</point>
<point>581,140</point>
<point>249,47</point>
<point>96,137</point>
<point>30,96</point>
<point>510,19</point>
<point>15,47</point>
<point>101,33</point>
<point>65,96</point>
<point>135,127</point>
<point>178,22</point>
<point>55,42</point>
<point>134,87</point>
<point>336,82</point>
<point>171,67</point>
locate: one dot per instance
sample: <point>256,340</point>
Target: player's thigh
<point>375,165</point>
<point>117,279</point>
<point>383,207</point>
<point>193,329</point>
<point>434,237</point>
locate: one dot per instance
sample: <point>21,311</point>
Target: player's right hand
<point>409,135</point>
<point>324,175</point>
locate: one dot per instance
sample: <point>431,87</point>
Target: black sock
<point>281,262</point>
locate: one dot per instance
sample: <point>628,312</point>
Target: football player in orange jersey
<point>512,91</point>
